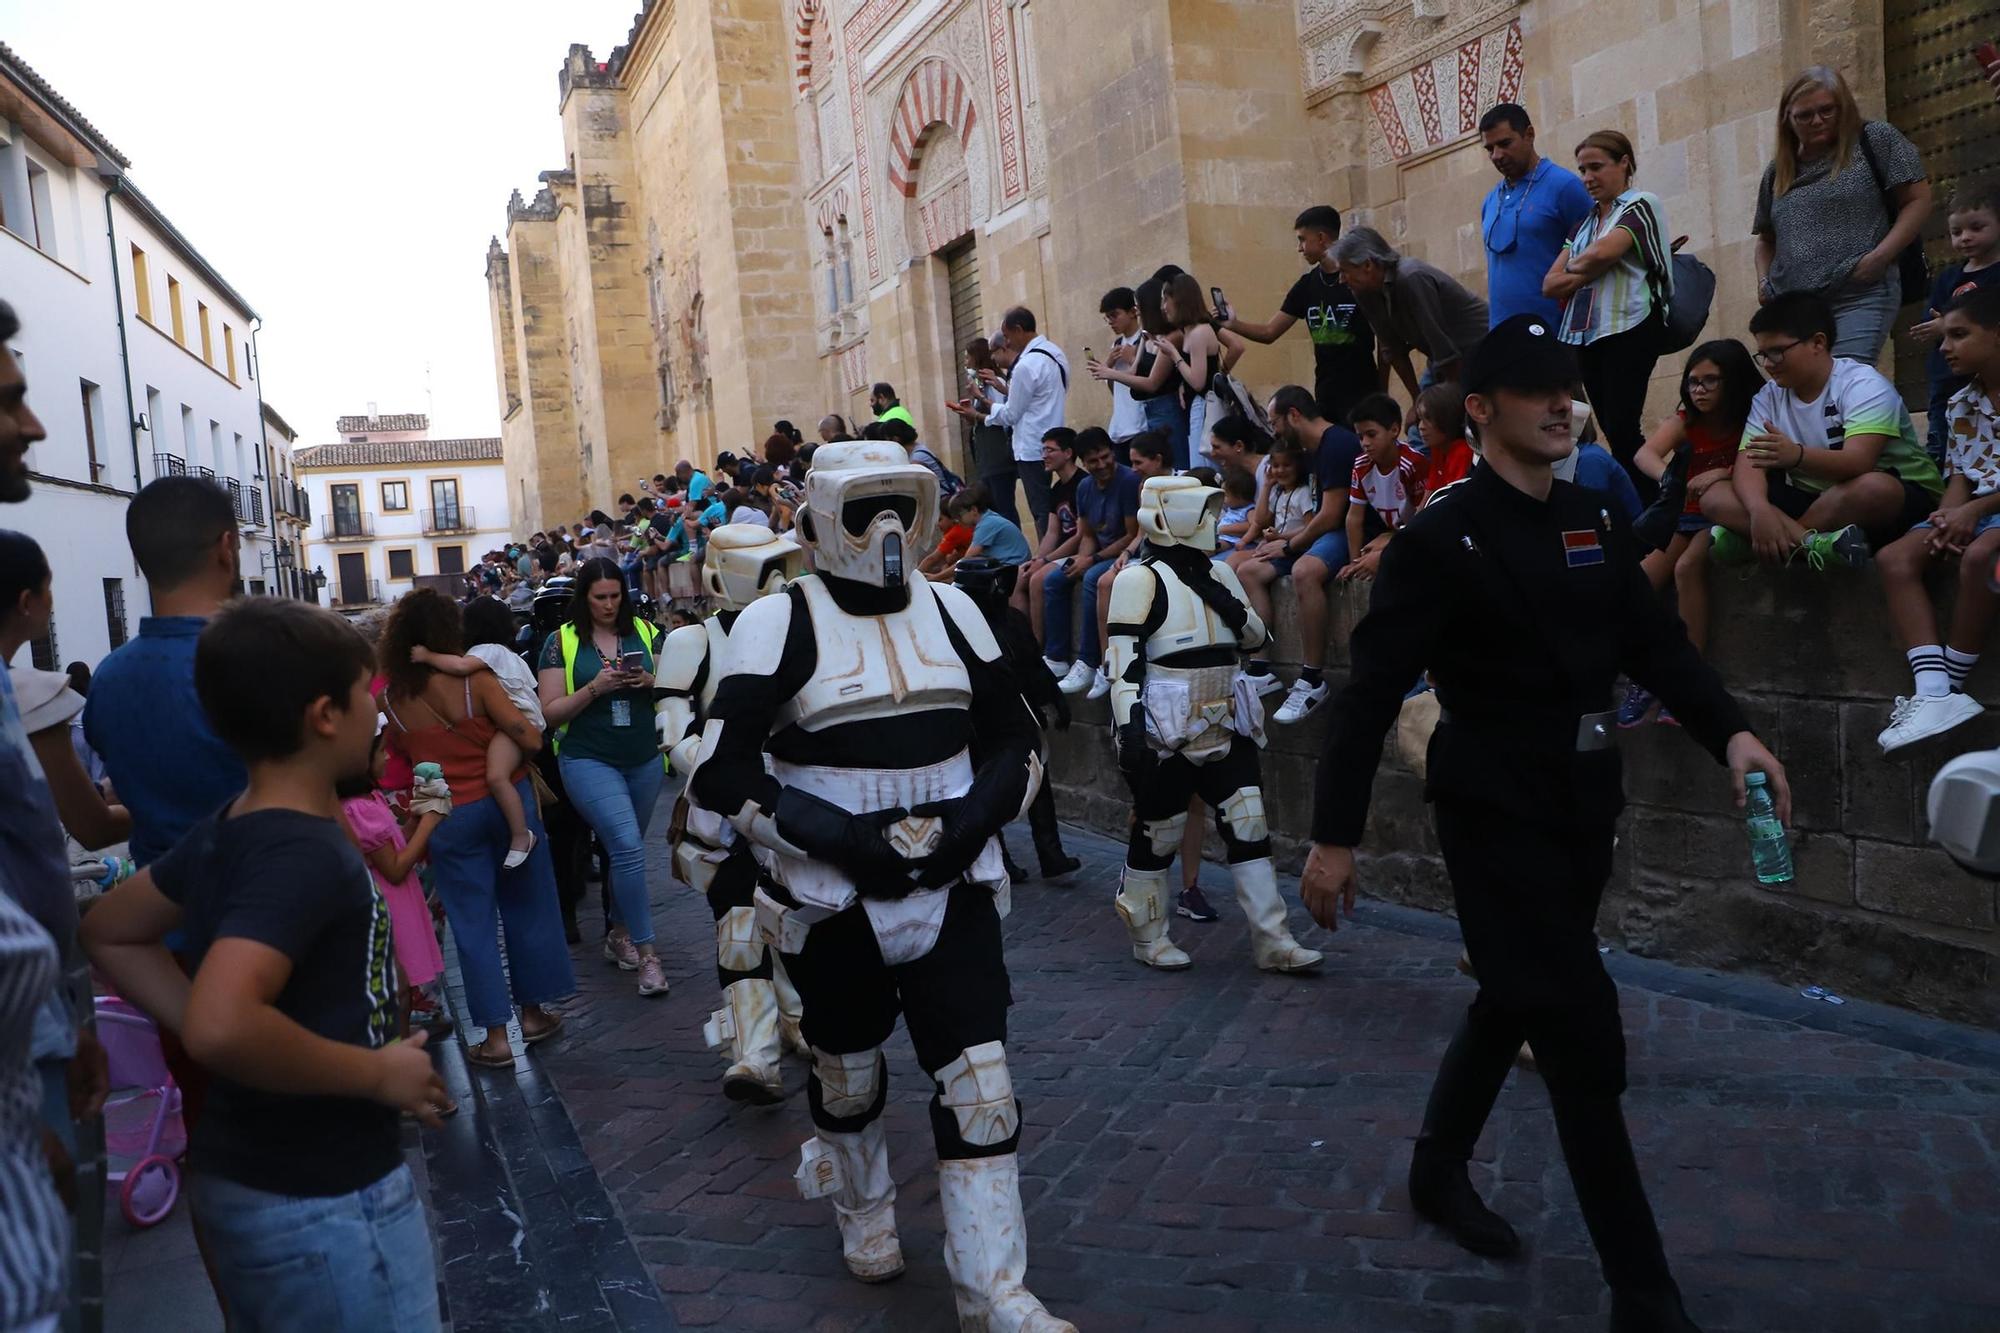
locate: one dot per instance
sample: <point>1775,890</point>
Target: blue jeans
<point>618,803</point>
<point>1164,412</point>
<point>360,1260</point>
<point>481,900</point>
<point>1057,603</point>
<point>1862,317</point>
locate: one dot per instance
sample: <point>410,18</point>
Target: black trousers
<point>1042,822</point>
<point>569,836</point>
<point>953,998</point>
<point>735,885</point>
<point>1615,372</point>
<point>1527,899</point>
<point>1165,790</point>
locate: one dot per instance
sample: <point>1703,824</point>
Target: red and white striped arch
<point>802,41</point>
<point>934,92</point>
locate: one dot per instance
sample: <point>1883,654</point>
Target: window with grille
<point>114,611</point>
<point>45,654</point>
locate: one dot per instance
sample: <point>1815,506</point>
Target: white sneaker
<point>1925,716</point>
<point>1100,685</point>
<point>1265,683</point>
<point>1077,679</point>
<point>1056,669</point>
<point>1302,700</point>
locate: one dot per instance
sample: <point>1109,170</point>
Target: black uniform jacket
<point>1524,611</point>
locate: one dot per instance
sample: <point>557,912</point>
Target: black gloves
<point>1135,752</point>
<point>1654,528</point>
<point>853,842</point>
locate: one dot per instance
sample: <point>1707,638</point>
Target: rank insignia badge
<point>1582,548</point>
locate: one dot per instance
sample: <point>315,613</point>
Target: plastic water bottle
<point>1770,850</point>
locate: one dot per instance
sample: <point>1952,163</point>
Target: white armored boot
<point>1142,906</point>
<point>853,1170</point>
<point>748,1029</point>
<point>791,1010</point>
<point>986,1247</point>
<point>1271,942</point>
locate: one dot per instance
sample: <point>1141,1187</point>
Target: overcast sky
<point>341,165</point>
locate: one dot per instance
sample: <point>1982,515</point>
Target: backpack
<point>1687,309</point>
<point>949,482</point>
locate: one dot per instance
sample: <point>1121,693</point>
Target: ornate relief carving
<point>1441,99</point>
<point>1346,45</point>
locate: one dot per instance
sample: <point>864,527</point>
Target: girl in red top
<point>1717,386</point>
<point>1440,414</point>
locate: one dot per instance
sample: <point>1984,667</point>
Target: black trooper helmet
<point>551,604</point>
<point>986,581</point>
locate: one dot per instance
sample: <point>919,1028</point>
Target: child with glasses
<point>1831,467</point>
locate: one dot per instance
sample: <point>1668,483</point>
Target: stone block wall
<point>1874,910</point>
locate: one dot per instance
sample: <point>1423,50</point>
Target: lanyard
<point>1513,219</point>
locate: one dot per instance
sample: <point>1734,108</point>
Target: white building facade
<point>391,506</point>
<point>140,359</point>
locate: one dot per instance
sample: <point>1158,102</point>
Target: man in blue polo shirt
<point>144,719</point>
<point>1526,217</point>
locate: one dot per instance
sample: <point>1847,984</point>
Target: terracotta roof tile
<point>392,453</point>
<point>392,421</point>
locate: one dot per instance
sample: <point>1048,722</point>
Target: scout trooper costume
<point>760,1015</point>
<point>871,692</point>
<point>1187,724</point>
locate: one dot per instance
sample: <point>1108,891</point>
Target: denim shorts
<point>1980,529</point>
<point>360,1260</point>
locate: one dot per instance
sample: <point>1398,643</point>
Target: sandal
<point>542,1034</point>
<point>479,1055</point>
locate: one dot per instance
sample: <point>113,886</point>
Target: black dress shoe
<point>1444,1195</point>
<point>1014,872</point>
<point>1058,865</point>
<point>1656,1311</point>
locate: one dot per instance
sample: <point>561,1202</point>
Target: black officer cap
<point>1520,352</point>
<point>986,580</point>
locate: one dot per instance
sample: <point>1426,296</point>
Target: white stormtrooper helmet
<point>746,561</point>
<point>1179,511</point>
<point>870,513</point>
<point>1964,811</point>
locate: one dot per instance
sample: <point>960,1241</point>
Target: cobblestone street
<point>1224,1150</point>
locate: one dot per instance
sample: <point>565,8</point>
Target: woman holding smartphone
<point>596,687</point>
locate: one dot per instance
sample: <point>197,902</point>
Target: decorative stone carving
<point>1348,45</point>
<point>1441,99</point>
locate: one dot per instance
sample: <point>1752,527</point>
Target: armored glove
<point>854,843</point>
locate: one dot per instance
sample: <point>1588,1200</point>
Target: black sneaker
<point>1193,905</point>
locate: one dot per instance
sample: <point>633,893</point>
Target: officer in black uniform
<point>1523,597</point>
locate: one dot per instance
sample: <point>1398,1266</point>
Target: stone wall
<point>1873,912</point>
<point>538,438</point>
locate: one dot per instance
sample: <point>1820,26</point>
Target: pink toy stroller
<point>152,1182</point>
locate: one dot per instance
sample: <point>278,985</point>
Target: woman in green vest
<point>596,685</point>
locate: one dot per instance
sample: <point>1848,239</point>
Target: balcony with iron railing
<point>256,506</point>
<point>357,592</point>
<point>452,518</point>
<point>169,465</point>
<point>205,473</point>
<point>238,501</point>
<point>302,504</point>
<point>348,527</point>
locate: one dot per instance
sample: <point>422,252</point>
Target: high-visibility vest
<point>569,639</point>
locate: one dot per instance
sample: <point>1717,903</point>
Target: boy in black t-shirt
<point>1344,369</point>
<point>311,1218</point>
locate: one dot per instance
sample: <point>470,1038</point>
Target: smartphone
<point>1220,302</point>
<point>632,663</point>
<point>1987,54</point>
<point>1089,355</point>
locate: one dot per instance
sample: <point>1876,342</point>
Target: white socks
<point>1939,670</point>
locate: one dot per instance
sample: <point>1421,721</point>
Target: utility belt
<point>1198,711</point>
<point>1542,729</point>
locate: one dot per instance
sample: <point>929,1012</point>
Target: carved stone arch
<point>934,94</point>
<point>1359,44</point>
<point>809,12</point>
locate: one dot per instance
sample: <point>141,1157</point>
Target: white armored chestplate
<point>1189,623</point>
<point>877,666</point>
<point>905,928</point>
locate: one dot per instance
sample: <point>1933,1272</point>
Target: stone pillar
<point>1185,141</point>
<point>539,439</point>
